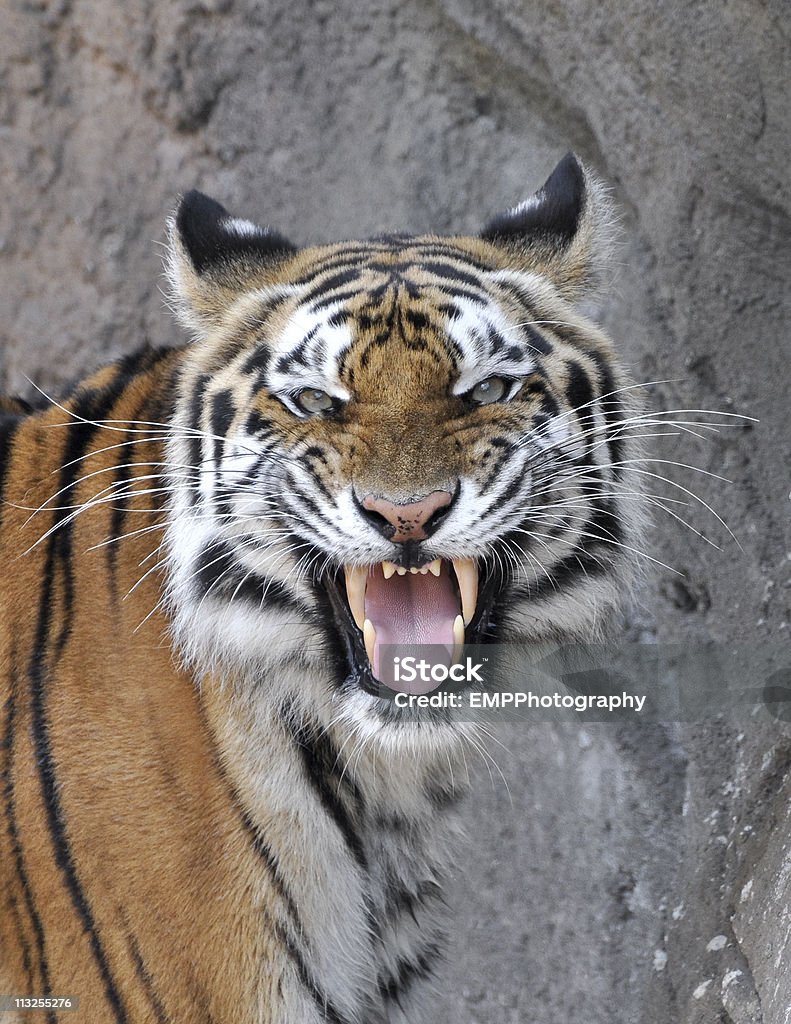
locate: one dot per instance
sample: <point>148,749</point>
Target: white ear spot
<point>238,226</point>
<point>524,206</point>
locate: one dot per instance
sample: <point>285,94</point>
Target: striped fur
<point>205,816</point>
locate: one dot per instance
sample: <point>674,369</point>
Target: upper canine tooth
<point>435,567</point>
<point>388,568</point>
<point>467,575</point>
<point>356,579</point>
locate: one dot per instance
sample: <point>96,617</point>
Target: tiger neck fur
<point>359,838</point>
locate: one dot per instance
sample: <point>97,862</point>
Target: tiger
<point>212,808</point>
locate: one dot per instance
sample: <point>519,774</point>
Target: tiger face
<point>400,441</point>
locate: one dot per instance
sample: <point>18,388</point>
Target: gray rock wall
<point>631,872</point>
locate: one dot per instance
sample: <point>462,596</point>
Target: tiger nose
<point>415,520</point>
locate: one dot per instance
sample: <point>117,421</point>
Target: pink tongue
<point>409,610</point>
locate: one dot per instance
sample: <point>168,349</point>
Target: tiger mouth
<point>385,609</point>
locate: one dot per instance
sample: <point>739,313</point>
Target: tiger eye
<point>493,389</point>
<point>313,401</point>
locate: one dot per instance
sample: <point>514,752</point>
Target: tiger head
<point>404,440</point>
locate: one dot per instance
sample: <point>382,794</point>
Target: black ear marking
<point>211,236</point>
<point>554,212</point>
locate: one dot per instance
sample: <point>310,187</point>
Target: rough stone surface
<point>620,874</point>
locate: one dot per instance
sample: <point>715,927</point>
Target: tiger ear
<point>214,258</point>
<point>565,231</point>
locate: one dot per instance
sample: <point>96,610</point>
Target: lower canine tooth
<point>369,635</point>
<point>356,579</point>
<point>458,638</point>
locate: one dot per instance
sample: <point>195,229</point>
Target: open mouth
<point>385,611</point>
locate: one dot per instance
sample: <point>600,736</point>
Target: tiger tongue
<point>408,610</point>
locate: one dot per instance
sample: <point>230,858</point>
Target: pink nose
<point>412,521</point>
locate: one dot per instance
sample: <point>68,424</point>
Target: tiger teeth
<point>389,568</point>
<point>458,639</point>
<point>467,576</point>
<point>356,578</point>
<point>369,636</point>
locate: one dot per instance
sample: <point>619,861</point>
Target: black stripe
<point>217,571</point>
<point>400,900</point>
<point>507,450</point>
<point>309,503</point>
<point>453,273</point>
<point>441,796</point>
<point>413,252</point>
<point>322,765</point>
<point>258,424</point>
<point>9,801</point>
<point>329,1013</point>
<point>479,298</point>
<point>146,980</point>
<point>612,407</point>
<point>536,340</point>
<point>297,355</point>
<point>8,428</point>
<point>51,791</point>
<point>120,507</point>
<point>123,474</point>
<point>93,405</point>
<point>195,432</point>
<point>267,855</point>
<point>354,255</point>
<point>260,845</point>
<point>605,522</point>
<point>258,361</point>
<point>380,339</point>
<point>581,562</point>
<point>436,249</point>
<point>510,491</point>
<point>549,406</point>
<point>339,318</point>
<point>315,452</point>
<point>305,460</point>
<point>408,971</point>
<point>569,335</point>
<point>222,414</point>
<point>343,277</point>
<point>344,296</point>
<point>579,393</point>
